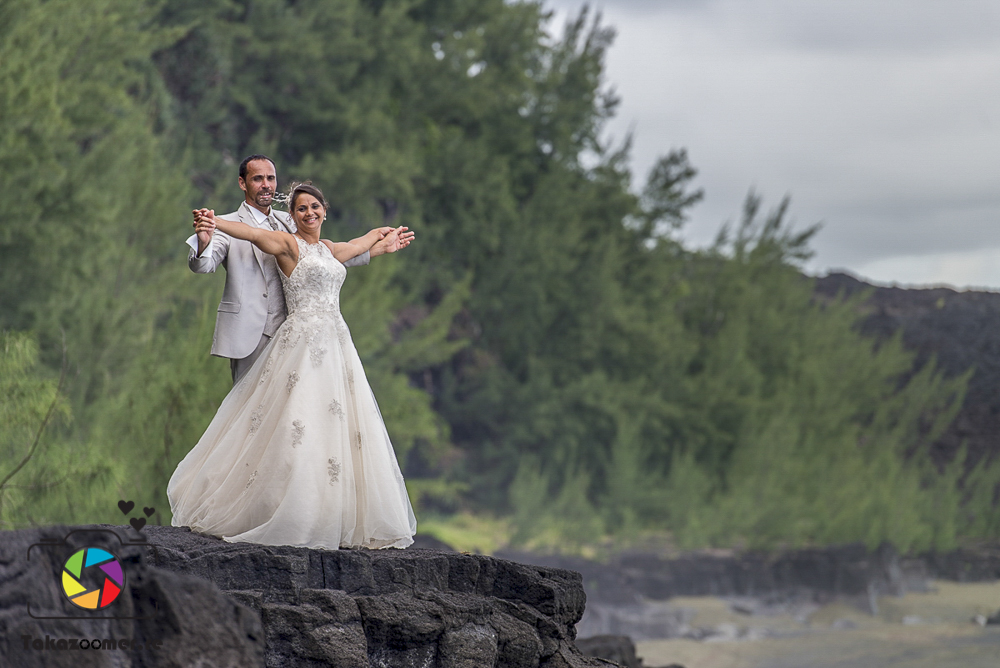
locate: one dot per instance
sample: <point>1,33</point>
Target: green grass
<point>467,532</point>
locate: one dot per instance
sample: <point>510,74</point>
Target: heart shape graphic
<point>126,506</point>
<point>137,523</point>
<point>149,511</point>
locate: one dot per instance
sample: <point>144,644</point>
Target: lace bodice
<point>314,286</point>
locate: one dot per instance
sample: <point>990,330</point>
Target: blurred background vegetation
<point>556,369</point>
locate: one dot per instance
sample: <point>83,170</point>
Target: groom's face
<point>259,184</point>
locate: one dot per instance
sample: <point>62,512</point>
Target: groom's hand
<point>393,241</point>
<point>204,228</point>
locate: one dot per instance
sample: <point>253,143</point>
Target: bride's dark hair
<point>306,188</point>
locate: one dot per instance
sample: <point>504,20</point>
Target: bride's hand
<point>396,239</point>
<point>204,226</point>
<point>205,221</point>
<point>202,214</point>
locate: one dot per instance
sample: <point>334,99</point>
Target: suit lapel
<point>248,219</point>
<point>284,221</point>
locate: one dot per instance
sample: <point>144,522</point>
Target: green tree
<point>30,402</point>
<point>547,350</point>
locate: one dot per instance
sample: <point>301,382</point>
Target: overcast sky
<point>881,119</point>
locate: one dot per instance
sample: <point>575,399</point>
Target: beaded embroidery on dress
<point>297,453</point>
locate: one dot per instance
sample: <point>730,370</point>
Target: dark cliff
<point>961,330</point>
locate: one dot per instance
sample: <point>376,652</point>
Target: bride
<point>297,453</point>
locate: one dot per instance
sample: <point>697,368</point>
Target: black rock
<point>287,606</point>
<point>970,564</point>
<point>168,618</point>
<point>825,572</point>
<point>623,590</point>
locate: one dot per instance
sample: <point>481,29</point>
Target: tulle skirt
<point>297,453</point>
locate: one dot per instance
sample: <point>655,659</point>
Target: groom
<point>253,301</point>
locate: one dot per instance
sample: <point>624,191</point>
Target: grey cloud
<point>880,119</point>
<point>910,25</point>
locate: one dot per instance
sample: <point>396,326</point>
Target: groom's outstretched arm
<point>358,260</point>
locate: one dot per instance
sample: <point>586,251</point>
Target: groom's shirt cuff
<point>193,243</point>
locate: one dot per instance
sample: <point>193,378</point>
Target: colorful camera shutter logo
<point>92,578</point>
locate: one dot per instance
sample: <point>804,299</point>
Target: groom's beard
<point>263,199</point>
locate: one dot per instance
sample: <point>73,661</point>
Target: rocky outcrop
<point>629,593</point>
<point>961,330</point>
<point>830,571</point>
<point>967,564</point>
<point>160,618</point>
<point>286,606</point>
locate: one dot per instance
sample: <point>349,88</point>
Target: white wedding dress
<point>298,453</point>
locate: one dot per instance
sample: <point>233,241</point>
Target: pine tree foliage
<point>30,402</point>
<point>547,350</point>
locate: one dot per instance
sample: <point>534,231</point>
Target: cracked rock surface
<point>253,605</point>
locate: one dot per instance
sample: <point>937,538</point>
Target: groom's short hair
<point>250,158</point>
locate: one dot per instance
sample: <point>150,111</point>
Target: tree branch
<point>41,428</point>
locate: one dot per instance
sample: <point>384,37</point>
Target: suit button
<point>265,295</point>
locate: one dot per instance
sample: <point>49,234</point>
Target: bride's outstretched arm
<point>345,250</point>
<point>379,241</point>
<point>273,243</point>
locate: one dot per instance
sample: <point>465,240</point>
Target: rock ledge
<point>288,606</point>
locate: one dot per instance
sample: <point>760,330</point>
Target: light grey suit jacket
<point>243,309</point>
